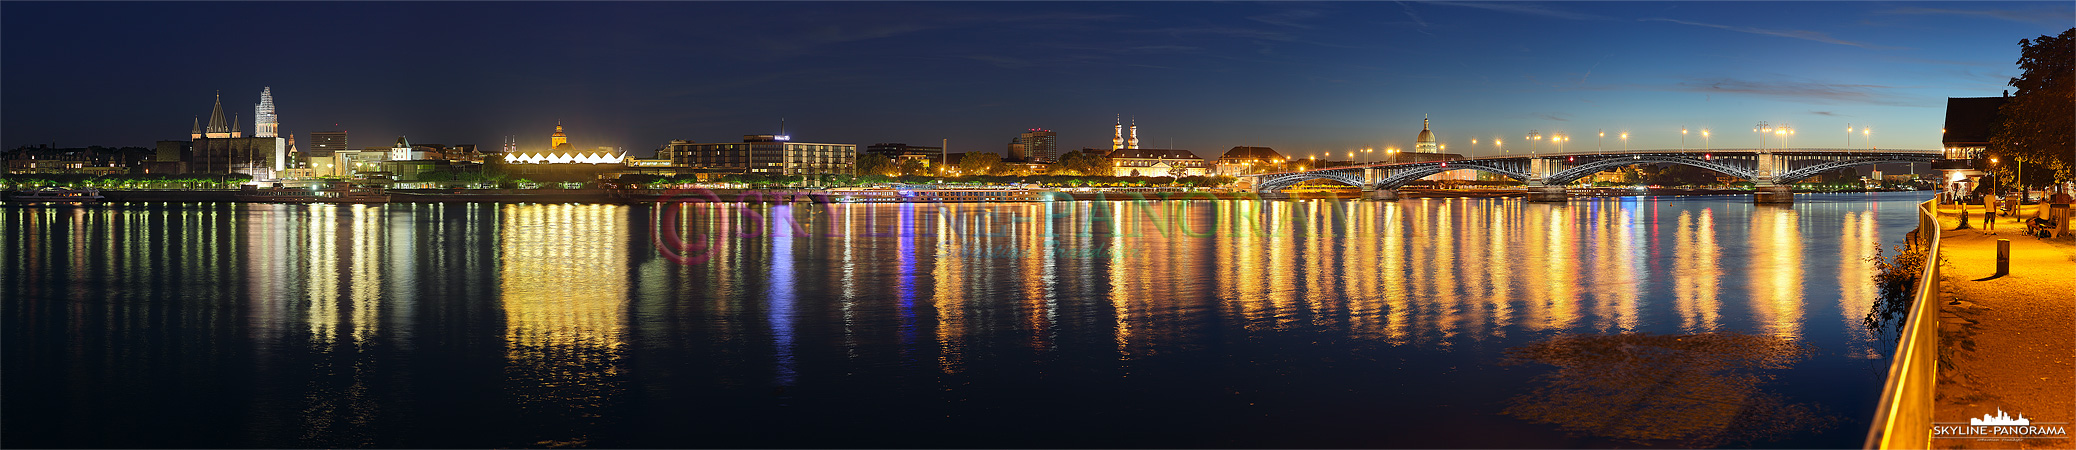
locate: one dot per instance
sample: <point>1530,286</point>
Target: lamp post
<point>1597,140</point>
<point>1867,134</point>
<point>1534,137</point>
<point>1559,138</point>
<point>1784,131</point>
<point>1683,138</point>
<point>1704,139</point>
<point>1500,145</point>
<point>1625,141</point>
<point>1762,129</point>
<point>1848,135</point>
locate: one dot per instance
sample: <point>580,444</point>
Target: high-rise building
<point>1039,145</point>
<point>264,123</point>
<point>325,143</point>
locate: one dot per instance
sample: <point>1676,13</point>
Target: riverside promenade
<point>2008,342</point>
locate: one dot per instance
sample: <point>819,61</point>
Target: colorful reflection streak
<point>564,289</point>
<point>529,325</point>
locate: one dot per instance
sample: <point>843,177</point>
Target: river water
<point>1670,321</point>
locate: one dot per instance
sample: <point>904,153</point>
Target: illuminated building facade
<point>1248,160</point>
<point>561,152</point>
<point>771,154</point>
<point>1148,162</point>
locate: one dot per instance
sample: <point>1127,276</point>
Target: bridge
<point>1546,174</point>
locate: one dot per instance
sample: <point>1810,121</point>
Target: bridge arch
<point>1795,175</point>
<point>1399,177</point>
<point>1276,183</point>
<point>1723,166</point>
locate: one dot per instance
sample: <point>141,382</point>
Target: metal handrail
<point>1904,418</point>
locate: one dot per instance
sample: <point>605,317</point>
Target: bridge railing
<point>1904,418</point>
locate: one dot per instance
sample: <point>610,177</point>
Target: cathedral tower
<point>264,124</point>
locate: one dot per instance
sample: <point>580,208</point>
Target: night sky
<point>1303,78</point>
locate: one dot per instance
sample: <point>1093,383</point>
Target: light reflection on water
<point>556,324</point>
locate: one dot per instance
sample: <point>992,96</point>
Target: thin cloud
<point>2040,17</point>
<point>1829,114</point>
<point>1556,116</point>
<point>1823,93</point>
<point>1292,18</point>
<point>1794,34</point>
<point>1527,8</point>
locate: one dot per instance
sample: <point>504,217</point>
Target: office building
<point>772,154</point>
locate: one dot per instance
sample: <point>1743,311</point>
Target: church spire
<point>217,127</point>
<point>198,129</point>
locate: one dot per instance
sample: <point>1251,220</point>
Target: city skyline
<point>1304,78</point>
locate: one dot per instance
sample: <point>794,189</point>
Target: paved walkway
<point>2009,342</point>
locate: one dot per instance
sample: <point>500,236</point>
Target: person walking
<point>1989,213</point>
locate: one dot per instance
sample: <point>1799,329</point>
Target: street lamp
<point>1559,138</point>
<point>1534,137</point>
<point>1596,141</point>
<point>1762,129</point>
<point>1500,145</point>
<point>1625,141</point>
<point>1704,139</point>
<point>1784,131</point>
<point>1683,138</point>
<point>1867,134</point>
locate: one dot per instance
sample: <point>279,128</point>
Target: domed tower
<point>1117,134</point>
<point>1134,143</point>
<point>558,141</point>
<point>1426,142</point>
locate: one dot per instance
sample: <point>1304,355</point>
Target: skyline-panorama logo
<point>2000,426</point>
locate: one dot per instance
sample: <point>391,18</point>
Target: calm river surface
<point>1420,323</point>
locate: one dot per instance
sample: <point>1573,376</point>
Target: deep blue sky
<point>1300,77</point>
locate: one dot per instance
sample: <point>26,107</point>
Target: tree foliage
<point>2038,126</point>
<point>981,163</point>
<point>1083,163</point>
<point>877,164</point>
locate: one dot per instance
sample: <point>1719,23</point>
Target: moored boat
<point>55,195</point>
<point>332,192</point>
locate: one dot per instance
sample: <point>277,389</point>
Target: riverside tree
<point>2039,122</point>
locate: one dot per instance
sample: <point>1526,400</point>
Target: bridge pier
<point>1772,193</point>
<point>1550,194</point>
<point>1389,195</point>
